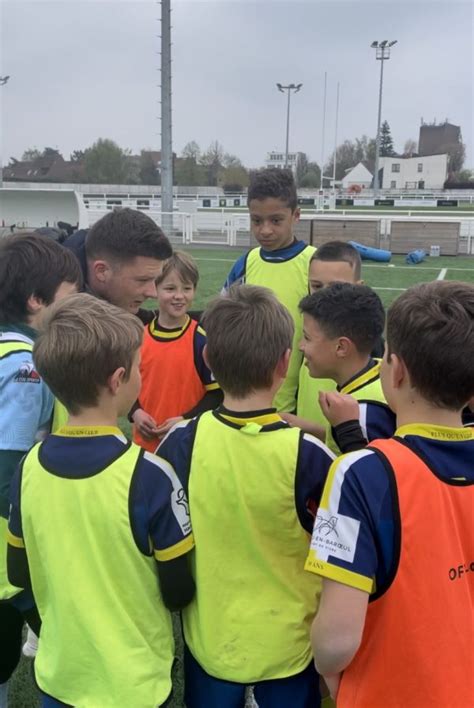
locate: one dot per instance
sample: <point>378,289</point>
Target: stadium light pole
<point>3,81</point>
<point>382,53</point>
<point>289,88</point>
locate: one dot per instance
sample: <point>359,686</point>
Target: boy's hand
<point>307,426</point>
<point>338,407</point>
<point>165,427</point>
<point>332,682</point>
<point>146,425</point>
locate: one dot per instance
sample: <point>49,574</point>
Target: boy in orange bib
<point>176,381</point>
<point>393,535</point>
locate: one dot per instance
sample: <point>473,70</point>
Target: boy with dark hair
<point>176,381</point>
<point>96,522</point>
<point>333,262</point>
<point>121,256</point>
<point>34,272</point>
<point>280,262</point>
<point>251,479</point>
<point>393,536</point>
<point>341,325</point>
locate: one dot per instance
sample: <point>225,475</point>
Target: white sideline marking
<point>442,274</point>
<point>364,265</point>
<point>375,287</point>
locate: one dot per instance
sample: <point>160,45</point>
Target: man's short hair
<point>184,265</point>
<point>32,264</point>
<point>82,341</point>
<point>125,234</point>
<point>431,328</point>
<point>347,310</point>
<point>340,251</point>
<point>273,183</point>
<point>248,331</point>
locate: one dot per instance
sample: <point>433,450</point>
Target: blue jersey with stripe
<point>360,501</point>
<point>88,451</point>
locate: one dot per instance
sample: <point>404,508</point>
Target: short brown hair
<point>184,265</point>
<point>125,234</point>
<point>339,252</point>
<point>431,328</point>
<point>31,264</point>
<point>83,340</point>
<point>248,331</point>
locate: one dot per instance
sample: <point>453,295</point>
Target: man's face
<point>272,222</point>
<point>319,351</point>
<point>129,284</point>
<point>324,273</point>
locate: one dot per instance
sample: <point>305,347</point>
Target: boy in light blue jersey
<point>280,262</point>
<point>34,272</point>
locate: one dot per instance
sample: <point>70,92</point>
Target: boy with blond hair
<point>251,480</point>
<point>98,526</point>
<point>176,381</point>
<point>393,535</point>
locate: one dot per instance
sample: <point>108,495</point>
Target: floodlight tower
<point>382,53</point>
<point>3,81</point>
<point>166,129</point>
<point>289,88</point>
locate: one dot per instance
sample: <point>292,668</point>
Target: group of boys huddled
<point>299,571</point>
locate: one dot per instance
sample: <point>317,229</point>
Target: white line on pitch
<point>375,287</point>
<point>442,274</point>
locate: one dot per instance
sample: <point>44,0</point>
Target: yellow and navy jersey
<point>376,419</point>
<point>358,518</point>
<point>237,275</point>
<point>158,508</point>
<point>313,460</point>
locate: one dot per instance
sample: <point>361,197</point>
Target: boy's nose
<point>150,289</point>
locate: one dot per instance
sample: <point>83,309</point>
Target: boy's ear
<point>34,304</point>
<point>296,214</point>
<point>344,347</point>
<point>115,380</point>
<point>281,369</point>
<point>398,372</point>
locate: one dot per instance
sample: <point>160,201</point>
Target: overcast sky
<point>84,69</point>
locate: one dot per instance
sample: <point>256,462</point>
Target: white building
<point>277,159</point>
<point>361,175</point>
<point>427,172</point>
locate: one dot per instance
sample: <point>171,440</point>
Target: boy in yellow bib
<point>280,262</point>
<point>341,325</point>
<point>97,525</point>
<point>252,480</point>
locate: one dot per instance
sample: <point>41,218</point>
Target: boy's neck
<point>415,411</point>
<point>94,417</point>
<point>349,368</point>
<point>258,401</point>
<point>170,322</point>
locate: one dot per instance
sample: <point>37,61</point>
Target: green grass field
<point>214,264</point>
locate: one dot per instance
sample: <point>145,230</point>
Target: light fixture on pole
<point>289,88</point>
<point>382,53</point>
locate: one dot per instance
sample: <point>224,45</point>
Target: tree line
<point>105,162</point>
